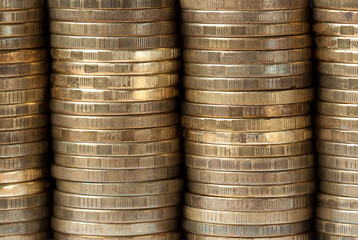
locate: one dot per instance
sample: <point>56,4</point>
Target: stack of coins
<point>248,147</point>
<point>115,130</point>
<point>336,28</point>
<point>24,199</point>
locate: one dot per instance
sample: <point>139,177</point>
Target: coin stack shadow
<point>336,27</point>
<point>24,195</point>
<point>247,126</point>
<point>115,125</point>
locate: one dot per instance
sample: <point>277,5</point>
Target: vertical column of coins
<point>336,28</point>
<point>24,199</point>
<point>248,147</point>
<point>114,121</point>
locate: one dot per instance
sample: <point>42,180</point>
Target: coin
<point>334,135</point>
<point>25,202</point>
<point>236,44</point>
<point>23,136</point>
<point>21,4</point>
<point>334,16</point>
<point>250,97</point>
<point>336,4</point>
<point>335,29</point>
<point>113,4</point>
<point>23,122</point>
<point>323,236</point>
<point>338,82</point>
<point>22,16</point>
<point>337,202</point>
<point>22,29</point>
<point>174,235</point>
<point>24,149</point>
<point>25,175</point>
<point>24,83</point>
<point>117,15</point>
<point>334,148</point>
<point>334,228</point>
<point>334,55</point>
<point>337,95</point>
<point>349,43</point>
<point>117,203</point>
<point>150,55</point>
<point>304,236</point>
<point>29,236</point>
<point>23,69</point>
<point>337,175</point>
<point>339,189</point>
<point>325,121</point>
<point>253,16</point>
<point>338,162</point>
<point>21,56</point>
<point>23,96</point>
<point>337,109</point>
<point>248,70</point>
<point>21,189</point>
<point>249,164</point>
<point>26,42</point>
<point>274,191</point>
<point>21,163</point>
<point>22,215</point>
<point>29,227</point>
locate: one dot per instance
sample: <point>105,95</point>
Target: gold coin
<point>25,202</point>
<point>22,56</point>
<point>116,149</point>
<point>343,123</point>
<point>22,215</point>
<point>337,175</point>
<point>24,122</point>
<point>236,44</point>
<point>114,229</point>
<point>113,4</point>
<point>24,149</point>
<point>304,236</point>
<point>337,95</point>
<point>250,111</point>
<point>255,205</point>
<point>22,163</point>
<point>21,189</point>
<point>337,109</point>
<point>253,16</point>
<point>116,216</point>
<point>22,16</point>
<point>337,135</point>
<point>336,4</point>
<point>235,84</point>
<point>122,189</point>
<point>297,135</point>
<point>23,69</point>
<point>341,43</point>
<point>250,178</point>
<point>173,235</point>
<point>25,175</point>
<point>13,43</point>
<point>115,68</point>
<point>244,30</point>
<point>250,125</point>
<point>338,162</point>
<point>335,29</point>
<point>247,70</point>
<point>21,4</point>
<point>117,203</point>
<point>115,82</point>
<point>30,227</point>
<point>334,16</point>
<point>274,191</point>
<point>243,57</point>
<point>92,162</point>
<point>243,5</point>
<point>23,109</point>
<point>250,164</point>
<point>23,96</point>
<point>107,96</point>
<point>243,231</point>
<point>335,228</point>
<point>110,136</point>
<point>323,236</point>
<point>117,15</point>
<point>338,82</point>
<point>339,189</point>
<point>106,43</point>
<point>22,29</point>
<point>24,83</point>
<point>114,175</point>
<point>29,236</point>
<point>337,202</point>
<point>250,97</point>
<point>117,122</point>
<point>92,56</point>
<point>338,56</point>
<point>334,148</point>
<point>248,218</point>
<point>114,109</point>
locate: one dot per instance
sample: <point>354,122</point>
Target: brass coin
<point>236,111</point>
<point>30,227</point>
<point>248,218</point>
<point>243,231</point>
<point>150,55</point>
<point>113,4</point>
<point>22,56</point>
<point>334,148</point>
<point>237,84</point>
<point>25,175</point>
<point>22,163</point>
<point>22,29</point>
<point>304,236</point>
<point>22,215</point>
<point>334,135</point>
<point>24,122</point>
<point>274,191</point>
<point>335,228</point>
<point>250,125</point>
<point>343,123</point>
<point>106,43</point>
<point>337,175</point>
<point>25,202</point>
<point>337,95</point>
<point>117,15</point>
<point>338,82</point>
<point>22,16</point>
<point>21,4</point>
<point>114,229</point>
<point>117,122</point>
<point>21,189</point>
<point>255,205</point>
<point>253,16</point>
<point>13,43</point>
<point>114,175</point>
<point>250,164</point>
<point>23,83</point>
<point>336,109</point>
<point>174,235</point>
<point>23,96</point>
<point>23,69</point>
<point>25,149</point>
<point>335,15</point>
<point>29,236</point>
<point>337,202</point>
<point>92,162</point>
<point>115,82</point>
<point>243,57</point>
<point>341,43</point>
<point>339,189</point>
<point>107,96</point>
<point>117,203</point>
<point>113,109</point>
<point>250,97</point>
<point>248,70</point>
<point>21,110</point>
<point>323,236</point>
<point>334,55</point>
<point>122,189</point>
<point>236,44</point>
<point>115,68</point>
<point>340,69</point>
<point>23,136</point>
<point>335,29</point>
<point>243,5</point>
<point>338,162</point>
<point>336,4</point>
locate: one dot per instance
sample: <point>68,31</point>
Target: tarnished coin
<point>335,15</point>
<point>24,83</point>
<point>113,4</point>
<point>338,82</point>
<point>335,228</point>
<point>339,189</point>
<point>25,175</point>
<point>21,4</point>
<point>23,96</point>
<point>334,148</point>
<point>173,235</point>
<point>336,55</point>
<point>335,29</point>
<point>336,4</point>
<point>25,202</point>
<point>337,95</point>
<point>24,122</point>
<point>30,227</point>
<point>343,123</point>
<point>337,175</point>
<point>323,236</point>
<point>22,29</point>
<point>336,109</point>
<point>24,215</point>
<point>304,236</point>
<point>22,56</point>
<point>14,43</point>
<point>341,43</point>
<point>337,135</point>
<point>21,189</point>
<point>337,202</point>
<point>338,162</point>
<point>23,69</point>
<point>29,236</point>
<point>24,149</point>
<point>22,16</point>
<point>22,163</point>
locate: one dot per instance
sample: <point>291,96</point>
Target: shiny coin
<point>335,228</point>
<point>22,163</point>
<point>337,202</point>
<point>348,43</point>
<point>333,55</point>
<point>337,109</point>
<point>337,162</point>
<point>337,95</point>
<point>23,83</point>
<point>23,69</point>
<point>334,148</point>
<point>116,4</point>
<point>174,235</point>
<point>25,202</point>
<point>22,215</point>
<point>23,96</point>
<point>7,230</point>
<point>22,29</point>
<point>336,4</point>
<point>343,123</point>
<point>21,123</point>
<point>22,16</point>
<point>21,189</point>
<point>340,189</point>
<point>22,109</point>
<point>22,56</point>
<point>23,136</point>
<point>338,82</point>
<point>25,175</point>
<point>335,16</point>
<point>25,149</point>
<point>334,135</point>
<point>337,175</point>
<point>12,43</point>
<point>335,29</point>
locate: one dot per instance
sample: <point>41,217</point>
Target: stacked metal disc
<point>336,28</point>
<point>247,128</point>
<point>24,199</point>
<point>114,121</point>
